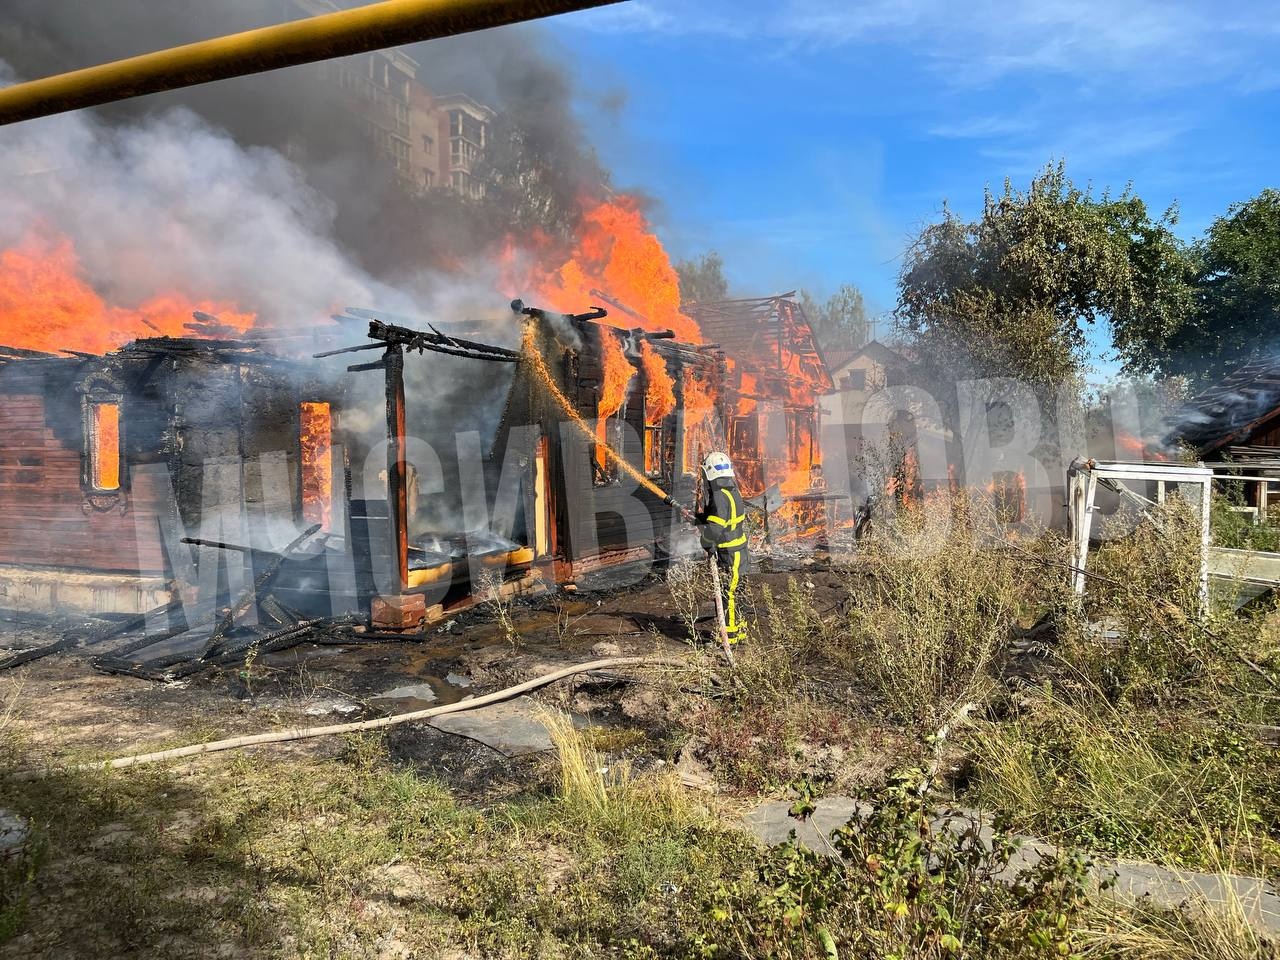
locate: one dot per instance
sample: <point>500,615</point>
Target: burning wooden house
<point>616,422</point>
<point>110,466</point>
<point>106,462</point>
<point>613,421</point>
<point>772,405</point>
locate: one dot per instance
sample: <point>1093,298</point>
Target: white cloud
<point>1156,44</point>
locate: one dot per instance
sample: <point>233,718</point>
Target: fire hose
<point>307,733</point>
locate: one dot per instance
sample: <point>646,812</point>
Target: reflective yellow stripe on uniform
<point>735,519</point>
<point>731,614</point>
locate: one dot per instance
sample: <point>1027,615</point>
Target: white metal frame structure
<point>1083,477</point>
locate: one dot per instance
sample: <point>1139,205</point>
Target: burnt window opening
<point>854,380</point>
<point>102,457</point>
<point>800,450</point>
<point>315,442</point>
<point>653,449</point>
<point>744,438</point>
<point>604,468</point>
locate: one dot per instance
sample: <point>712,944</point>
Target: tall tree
<point>840,323</point>
<point>1236,311</point>
<point>1012,293</point>
<point>702,278</point>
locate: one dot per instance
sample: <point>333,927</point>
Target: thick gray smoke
<point>264,191</point>
<point>538,153</point>
<point>172,204</point>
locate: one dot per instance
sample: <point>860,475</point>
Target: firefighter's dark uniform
<point>723,526</point>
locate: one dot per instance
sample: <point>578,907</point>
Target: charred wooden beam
<point>216,544</point>
<point>409,339</point>
<point>397,464</point>
<point>596,313</point>
<point>250,596</point>
<point>356,349</point>
<point>21,353</point>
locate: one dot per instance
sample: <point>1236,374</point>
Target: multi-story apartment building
<point>467,126</point>
<point>432,142</point>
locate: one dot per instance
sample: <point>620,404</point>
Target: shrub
<point>900,883</point>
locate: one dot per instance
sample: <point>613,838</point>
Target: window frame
<point>90,454</point>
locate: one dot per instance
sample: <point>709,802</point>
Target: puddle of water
<point>413,691</point>
<point>429,691</point>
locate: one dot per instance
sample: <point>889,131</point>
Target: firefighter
<point>722,525</point>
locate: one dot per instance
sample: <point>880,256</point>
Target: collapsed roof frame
<point>768,332</point>
<point>393,340</point>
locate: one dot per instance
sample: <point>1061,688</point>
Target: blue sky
<point>807,141</point>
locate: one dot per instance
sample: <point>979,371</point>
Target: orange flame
<point>315,435</point>
<point>616,374</point>
<point>46,304</point>
<point>1135,448</point>
<point>659,388</point>
<point>105,460</point>
<point>746,402</point>
<point>618,254</point>
<point>1008,493</point>
<point>538,366</point>
<point>699,406</point>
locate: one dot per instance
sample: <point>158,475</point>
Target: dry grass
<point>489,587</point>
<point>606,797</point>
<point>1152,787</point>
<point>1199,931</point>
<point>9,721</point>
<point>689,586</point>
<point>928,620</point>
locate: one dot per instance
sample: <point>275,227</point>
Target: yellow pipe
<point>390,23</point>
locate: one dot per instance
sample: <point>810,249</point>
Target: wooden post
<point>397,466</point>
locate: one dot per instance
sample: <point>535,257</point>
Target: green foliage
<point>902,882</point>
<point>842,322</point>
<point>1009,295</point>
<point>18,872</point>
<point>702,278</point>
<point>1236,307</point>
<point>1143,597</point>
<point>1235,529</point>
<point>1142,742</point>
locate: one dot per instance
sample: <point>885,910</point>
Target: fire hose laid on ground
<point>308,733</point>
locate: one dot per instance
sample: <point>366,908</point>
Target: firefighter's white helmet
<point>717,466</point>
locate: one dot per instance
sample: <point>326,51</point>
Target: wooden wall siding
<point>177,413</point>
<point>1267,434</point>
<point>576,500</point>
<point>45,517</point>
